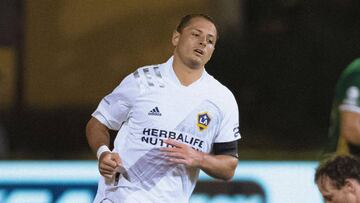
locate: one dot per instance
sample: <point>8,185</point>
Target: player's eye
<point>195,34</point>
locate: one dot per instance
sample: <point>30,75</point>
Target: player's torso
<point>190,115</point>
<point>163,110</point>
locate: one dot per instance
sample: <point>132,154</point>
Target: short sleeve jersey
<point>347,98</point>
<point>151,105</point>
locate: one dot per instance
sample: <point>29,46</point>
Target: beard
<point>193,64</point>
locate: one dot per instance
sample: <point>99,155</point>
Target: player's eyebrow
<point>196,29</point>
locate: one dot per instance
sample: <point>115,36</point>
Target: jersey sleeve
<point>350,97</point>
<point>113,109</point>
<point>229,127</point>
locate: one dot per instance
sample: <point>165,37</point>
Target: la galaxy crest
<point>203,120</point>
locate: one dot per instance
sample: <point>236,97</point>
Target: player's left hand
<point>182,154</point>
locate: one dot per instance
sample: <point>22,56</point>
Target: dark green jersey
<point>347,97</point>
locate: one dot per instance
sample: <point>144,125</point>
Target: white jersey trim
<point>352,108</point>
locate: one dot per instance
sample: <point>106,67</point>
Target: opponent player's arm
<point>218,166</point>
<point>350,126</point>
<point>98,135</point>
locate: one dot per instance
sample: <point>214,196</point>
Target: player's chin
<point>196,63</point>
<point>202,60</point>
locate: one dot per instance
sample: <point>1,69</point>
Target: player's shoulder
<point>350,75</point>
<point>353,67</point>
<point>221,95</point>
<point>149,75</point>
<point>148,69</point>
<point>219,88</point>
<point>355,62</point>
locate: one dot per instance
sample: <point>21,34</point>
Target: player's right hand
<point>108,163</point>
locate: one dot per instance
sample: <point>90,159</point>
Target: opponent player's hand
<point>182,154</point>
<point>108,163</point>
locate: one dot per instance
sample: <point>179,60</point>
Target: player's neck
<point>185,74</point>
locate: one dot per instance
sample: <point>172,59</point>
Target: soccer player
<point>173,119</point>
<point>344,130</point>
<point>338,179</point>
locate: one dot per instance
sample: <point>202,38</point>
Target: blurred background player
<point>173,120</point>
<point>344,131</point>
<point>338,179</point>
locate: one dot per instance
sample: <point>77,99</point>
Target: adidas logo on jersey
<point>154,112</point>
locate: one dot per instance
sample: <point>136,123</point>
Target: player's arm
<point>97,134</point>
<point>98,138</point>
<point>221,166</point>
<point>110,114</point>
<point>224,161</point>
<point>350,126</point>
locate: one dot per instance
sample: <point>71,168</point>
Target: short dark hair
<point>338,169</point>
<point>186,19</point>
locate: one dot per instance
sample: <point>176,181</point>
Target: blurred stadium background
<point>281,59</point>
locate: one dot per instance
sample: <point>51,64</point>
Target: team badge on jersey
<point>203,120</point>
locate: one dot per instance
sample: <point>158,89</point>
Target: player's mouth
<point>199,51</point>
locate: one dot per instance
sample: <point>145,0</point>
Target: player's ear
<point>175,38</point>
<point>350,186</point>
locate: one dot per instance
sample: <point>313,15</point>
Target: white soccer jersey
<point>151,105</point>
